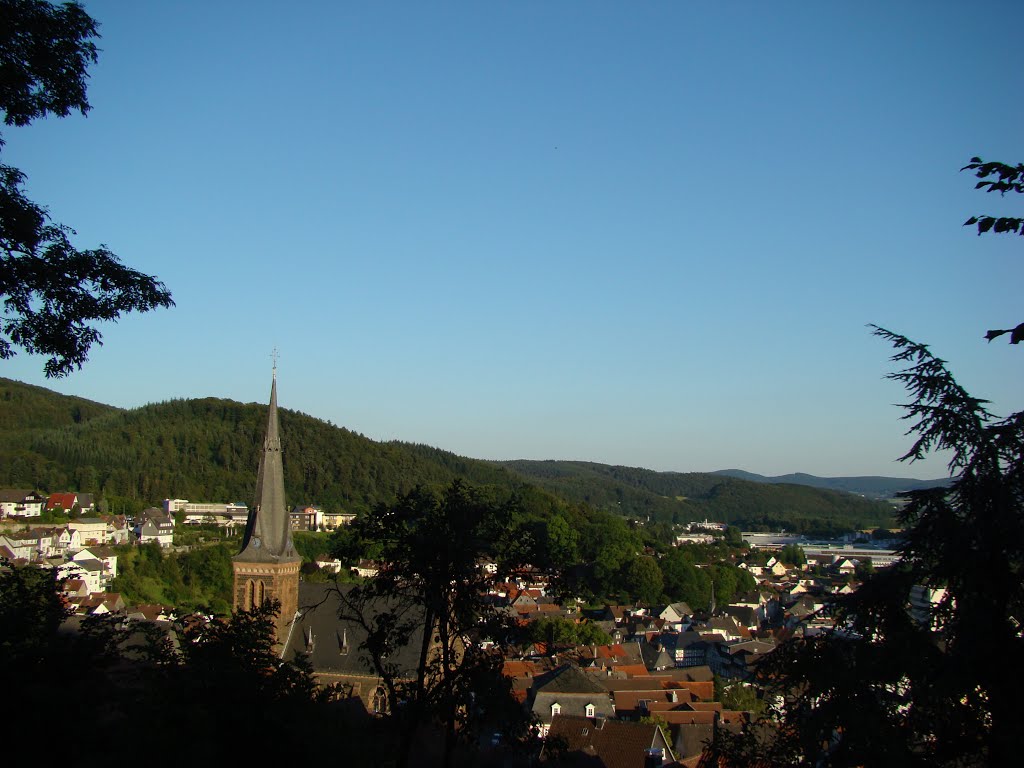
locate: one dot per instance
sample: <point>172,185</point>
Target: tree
<point>53,293</point>
<point>793,554</point>
<point>684,581</point>
<point>887,688</point>
<point>431,588</point>
<point>733,536</point>
<point>1001,178</point>
<point>644,580</point>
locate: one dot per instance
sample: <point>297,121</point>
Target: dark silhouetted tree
<point>1001,178</point>
<point>53,293</point>
<point>431,588</point>
<point>893,687</point>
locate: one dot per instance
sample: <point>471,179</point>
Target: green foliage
<point>608,545</point>
<point>684,581</point>
<point>433,588</point>
<point>197,580</point>
<point>30,612</point>
<point>207,450</point>
<point>739,697</point>
<point>644,580</point>
<point>679,497</point>
<point>558,631</point>
<point>311,544</point>
<point>792,554</point>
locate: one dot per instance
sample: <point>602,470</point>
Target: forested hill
<point>677,495</point>
<point>208,450</point>
<point>24,407</point>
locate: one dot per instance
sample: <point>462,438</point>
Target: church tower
<point>267,567</point>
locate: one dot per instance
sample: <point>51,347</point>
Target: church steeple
<point>267,567</point>
<point>268,532</point>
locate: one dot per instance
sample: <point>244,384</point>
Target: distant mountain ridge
<point>208,450</point>
<point>869,486</point>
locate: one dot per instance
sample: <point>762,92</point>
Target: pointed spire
<point>268,532</point>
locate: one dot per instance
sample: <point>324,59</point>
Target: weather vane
<point>273,357</point>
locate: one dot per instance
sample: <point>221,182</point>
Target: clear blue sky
<point>648,234</point>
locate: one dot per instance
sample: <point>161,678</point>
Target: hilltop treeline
<point>208,450</point>
<point>681,497</point>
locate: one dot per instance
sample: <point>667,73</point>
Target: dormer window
<point>556,708</point>
<point>590,710</point>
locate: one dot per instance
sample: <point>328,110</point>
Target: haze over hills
<point>207,450</point>
<point>870,486</point>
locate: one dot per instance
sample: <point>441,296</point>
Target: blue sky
<point>648,234</point>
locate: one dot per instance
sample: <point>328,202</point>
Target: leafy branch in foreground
<point>1001,178</point>
<point>52,292</point>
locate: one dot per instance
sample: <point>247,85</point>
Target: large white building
<point>227,514</point>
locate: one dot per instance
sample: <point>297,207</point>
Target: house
<point>675,613</point>
<point>68,501</point>
<point>150,612</point>
<point>118,530</point>
<point>75,588</point>
<point>92,529</point>
<point>328,563</point>
<point>154,525</point>
<point>104,555</point>
<point>744,615</point>
<point>726,626</point>
<point>567,690</point>
<point>366,569</point>
<point>597,743</point>
<point>21,503</point>
<point>688,649</point>
<point>20,545</point>
<point>737,660</point>
<point>98,603</point>
<point>90,571</point>
<point>69,540</point>
<point>32,544</point>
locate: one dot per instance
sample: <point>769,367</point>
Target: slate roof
<point>567,678</point>
<point>13,495</point>
<point>268,536</point>
<point>333,644</point>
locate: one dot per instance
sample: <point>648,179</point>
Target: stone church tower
<point>267,567</point>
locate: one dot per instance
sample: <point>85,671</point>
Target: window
<point>556,708</point>
<point>590,710</point>
<point>379,701</point>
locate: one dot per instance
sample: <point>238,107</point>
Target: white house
<point>104,555</point>
<point>21,503</point>
<point>90,571</point>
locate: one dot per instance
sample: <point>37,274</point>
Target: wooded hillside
<point>208,450</point>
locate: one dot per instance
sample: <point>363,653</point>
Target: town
<point>600,679</point>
